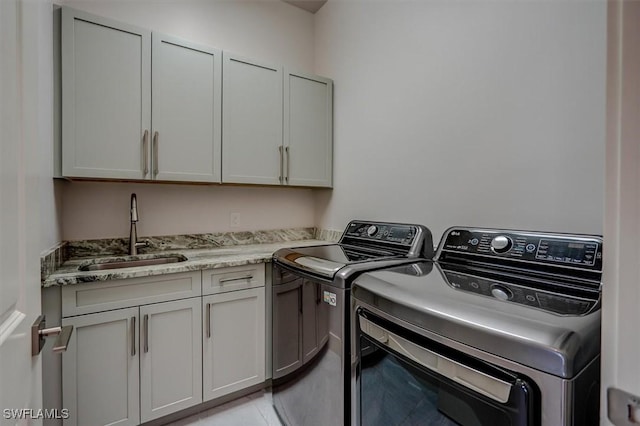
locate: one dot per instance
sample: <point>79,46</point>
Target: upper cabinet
<point>106,97</point>
<point>252,122</point>
<point>308,129</point>
<point>186,110</point>
<point>138,105</point>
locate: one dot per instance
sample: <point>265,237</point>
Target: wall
<point>466,113</point>
<point>101,210</point>
<point>268,30</point>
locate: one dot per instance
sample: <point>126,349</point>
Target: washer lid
<point>327,260</point>
<point>544,339</point>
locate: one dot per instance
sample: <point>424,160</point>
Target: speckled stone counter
<point>203,251</point>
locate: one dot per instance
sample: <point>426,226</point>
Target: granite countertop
<point>59,266</point>
<point>197,259</point>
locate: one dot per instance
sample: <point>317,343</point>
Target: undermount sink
<point>130,263</point>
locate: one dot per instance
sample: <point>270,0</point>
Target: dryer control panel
<point>566,250</point>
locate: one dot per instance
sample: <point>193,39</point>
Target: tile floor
<point>251,410</point>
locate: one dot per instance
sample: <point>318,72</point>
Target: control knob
<point>501,293</point>
<point>501,244</point>
<point>371,231</point>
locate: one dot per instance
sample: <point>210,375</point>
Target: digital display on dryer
<point>569,252</point>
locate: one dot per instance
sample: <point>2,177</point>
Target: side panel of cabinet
<point>100,369</point>
<point>106,97</point>
<point>287,328</point>
<point>308,130</point>
<point>251,122</point>
<point>170,357</point>
<point>234,336</point>
<point>186,108</point>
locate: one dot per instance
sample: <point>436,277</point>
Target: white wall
<point>482,113</point>
<point>268,30</point>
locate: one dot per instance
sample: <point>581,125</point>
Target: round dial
<point>500,292</point>
<point>371,231</point>
<point>501,244</point>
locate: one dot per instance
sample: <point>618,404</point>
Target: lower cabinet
<point>300,324</point>
<point>234,341</point>
<point>170,357</point>
<point>100,380</point>
<point>144,355</point>
<point>133,365</point>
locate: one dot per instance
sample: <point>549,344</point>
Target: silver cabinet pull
<point>155,154</point>
<point>39,333</point>
<point>146,333</point>
<point>281,164</point>
<point>133,336</point>
<point>145,152</point>
<point>226,280</point>
<point>208,320</point>
<point>286,177</point>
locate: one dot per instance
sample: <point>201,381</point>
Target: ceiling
<point>309,5</point>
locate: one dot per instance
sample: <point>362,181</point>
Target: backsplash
<point>52,259</point>
<point>120,246</point>
<point>330,235</point>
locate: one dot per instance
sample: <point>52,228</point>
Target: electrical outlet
<point>234,220</point>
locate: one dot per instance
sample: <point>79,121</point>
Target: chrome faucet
<point>133,233</point>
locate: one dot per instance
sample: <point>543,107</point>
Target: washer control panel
<point>577,251</point>
<point>382,232</point>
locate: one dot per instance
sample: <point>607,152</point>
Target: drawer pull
<point>246,277</point>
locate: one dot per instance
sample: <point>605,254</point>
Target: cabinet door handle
<point>146,333</point>
<point>281,164</point>
<point>145,153</point>
<point>286,177</point>
<point>226,280</point>
<point>300,299</point>
<point>133,336</point>
<point>208,320</point>
<point>155,154</point>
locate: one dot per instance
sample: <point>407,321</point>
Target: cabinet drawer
<point>95,297</point>
<point>233,278</point>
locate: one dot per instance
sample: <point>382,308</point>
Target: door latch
<point>623,408</point>
<point>39,333</point>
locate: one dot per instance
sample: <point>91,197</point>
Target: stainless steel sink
<point>124,263</point>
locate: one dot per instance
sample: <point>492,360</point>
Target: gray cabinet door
<point>170,357</point>
<point>186,111</point>
<point>106,97</point>
<point>308,130</point>
<point>234,341</point>
<point>100,369</point>
<point>287,328</point>
<point>252,148</point>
